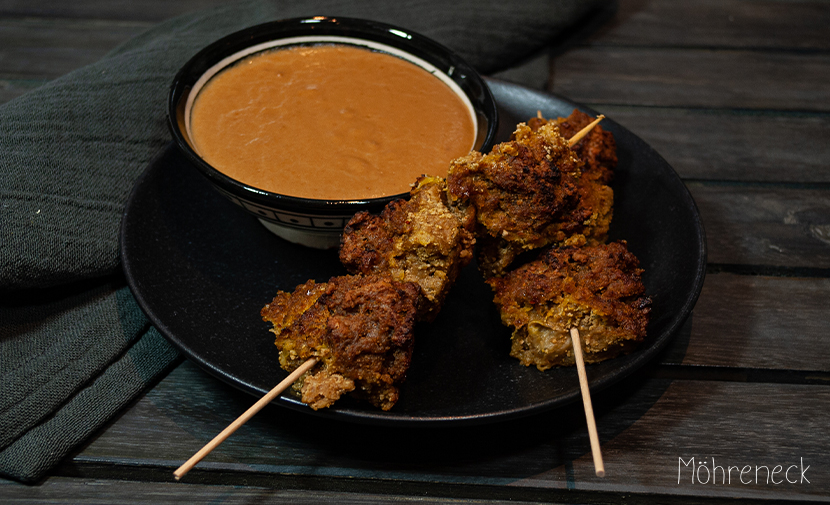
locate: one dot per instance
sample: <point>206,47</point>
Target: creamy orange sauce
<point>329,122</point>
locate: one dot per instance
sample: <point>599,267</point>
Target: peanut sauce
<point>329,122</point>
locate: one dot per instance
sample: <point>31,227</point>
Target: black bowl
<point>312,222</point>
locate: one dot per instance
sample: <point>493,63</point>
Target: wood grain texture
<point>130,10</point>
<point>733,423</point>
<point>751,321</point>
<point>49,48</point>
<point>645,425</point>
<point>62,490</point>
<point>758,225</point>
<point>731,23</point>
<point>731,145</point>
<point>773,25</point>
<point>680,77</point>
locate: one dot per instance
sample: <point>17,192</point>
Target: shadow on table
<point>278,438</point>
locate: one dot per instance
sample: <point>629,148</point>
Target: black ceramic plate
<point>201,270</point>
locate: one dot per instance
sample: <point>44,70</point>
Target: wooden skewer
<point>265,400</point>
<point>599,466</point>
<point>581,133</point>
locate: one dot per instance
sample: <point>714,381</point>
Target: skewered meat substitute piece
<point>596,289</point>
<point>421,240</point>
<point>598,152</point>
<point>359,327</point>
<point>598,149</point>
<point>528,193</point>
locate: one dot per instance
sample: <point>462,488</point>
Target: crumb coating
<point>597,289</point>
<point>530,192</point>
<point>359,327</point>
<point>520,185</point>
<point>422,240</point>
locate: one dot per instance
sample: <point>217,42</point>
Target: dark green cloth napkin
<point>74,346</point>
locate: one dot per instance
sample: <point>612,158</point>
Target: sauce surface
<point>329,122</point>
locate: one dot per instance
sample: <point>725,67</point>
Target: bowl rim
<point>419,46</point>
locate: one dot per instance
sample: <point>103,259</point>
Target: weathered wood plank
<point>734,145</point>
<point>732,79</point>
<point>62,490</point>
<point>730,424</point>
<point>144,10</point>
<point>800,25</point>
<point>748,321</point>
<point>49,48</point>
<point>779,226</point>
<point>732,23</point>
<point>645,425</point>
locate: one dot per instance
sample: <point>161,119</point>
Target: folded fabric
<point>74,346</point>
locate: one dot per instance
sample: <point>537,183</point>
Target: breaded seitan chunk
<point>597,289</point>
<point>359,327</point>
<point>598,149</point>
<point>422,240</point>
<point>528,193</point>
<point>520,190</point>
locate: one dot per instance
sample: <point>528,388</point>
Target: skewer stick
<point>265,400</point>
<point>581,133</point>
<point>599,466</point>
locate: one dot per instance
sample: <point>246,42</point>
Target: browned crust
<point>361,328</point>
<point>533,191</point>
<point>422,240</point>
<point>598,149</point>
<point>521,186</point>
<point>595,288</point>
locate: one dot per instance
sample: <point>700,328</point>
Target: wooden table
<point>735,95</point>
